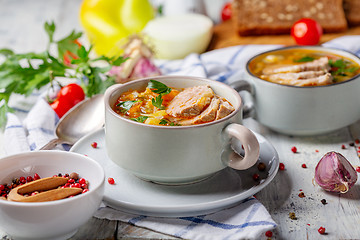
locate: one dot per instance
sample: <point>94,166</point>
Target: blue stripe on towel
<point>44,130</point>
<point>134,220</point>
<point>224,225</point>
<point>32,147</point>
<point>14,126</point>
<point>188,227</point>
<point>233,58</point>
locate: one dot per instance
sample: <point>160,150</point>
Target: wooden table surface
<point>21,29</point>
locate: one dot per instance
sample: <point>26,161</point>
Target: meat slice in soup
<point>208,115</point>
<point>293,76</point>
<point>316,65</point>
<point>190,102</point>
<point>301,79</point>
<point>225,109</point>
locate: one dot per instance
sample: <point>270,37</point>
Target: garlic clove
<point>335,173</point>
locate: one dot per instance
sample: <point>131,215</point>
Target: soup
<point>159,104</point>
<point>303,67</point>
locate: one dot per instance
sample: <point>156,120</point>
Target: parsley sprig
<point>305,59</point>
<point>25,72</point>
<point>341,67</point>
<point>161,89</point>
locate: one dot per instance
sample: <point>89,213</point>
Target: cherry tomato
<point>68,96</point>
<point>226,11</point>
<point>306,31</point>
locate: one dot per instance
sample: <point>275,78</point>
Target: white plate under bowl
<point>224,189</point>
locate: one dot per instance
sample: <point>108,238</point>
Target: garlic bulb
<point>335,173</point>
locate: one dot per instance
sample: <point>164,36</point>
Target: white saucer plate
<point>224,189</point>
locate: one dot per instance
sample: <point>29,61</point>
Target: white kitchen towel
<point>248,220</point>
<point>34,122</point>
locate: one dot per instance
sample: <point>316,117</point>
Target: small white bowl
<point>58,219</point>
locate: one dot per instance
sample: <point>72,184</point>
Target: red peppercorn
<point>77,185</point>
<point>94,144</point>
<point>358,169</point>
<point>84,186</point>
<point>71,180</point>
<point>111,181</point>
<point>357,141</point>
<point>316,150</point>
<point>256,176</point>
<point>82,180</point>
<point>36,176</point>
<point>321,230</point>
<point>85,190</point>
<point>22,180</point>
<point>303,165</point>
<point>343,146</point>
<point>281,166</point>
<point>294,149</point>
<point>2,187</point>
<point>268,233</point>
<point>29,179</point>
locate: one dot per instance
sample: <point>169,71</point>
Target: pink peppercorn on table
<point>301,209</point>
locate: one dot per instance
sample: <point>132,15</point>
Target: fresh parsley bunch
<point>23,73</point>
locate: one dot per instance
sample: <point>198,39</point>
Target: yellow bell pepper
<point>107,23</point>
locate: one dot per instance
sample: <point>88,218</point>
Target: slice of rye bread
<point>352,11</point>
<point>257,17</point>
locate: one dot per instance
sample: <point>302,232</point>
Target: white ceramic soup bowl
<point>57,219</point>
<point>295,110</point>
<point>177,154</point>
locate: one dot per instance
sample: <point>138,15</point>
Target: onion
<point>175,37</point>
<point>335,173</point>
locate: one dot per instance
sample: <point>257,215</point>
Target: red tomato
<point>68,96</point>
<point>306,31</point>
<point>226,12</point>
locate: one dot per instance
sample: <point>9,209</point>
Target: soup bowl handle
<point>243,85</point>
<point>249,143</point>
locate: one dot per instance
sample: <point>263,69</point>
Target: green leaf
<point>158,87</point>
<point>68,43</point>
<point>83,54</point>
<point>50,29</point>
<point>140,119</point>
<point>4,109</point>
<point>6,52</point>
<point>157,102</point>
<point>305,59</point>
<point>125,106</point>
<point>163,122</point>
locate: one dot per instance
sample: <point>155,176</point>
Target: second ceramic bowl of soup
<point>316,102</point>
<point>177,154</point>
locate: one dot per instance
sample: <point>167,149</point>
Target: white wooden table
<point>21,29</point>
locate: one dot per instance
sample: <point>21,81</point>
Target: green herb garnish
<point>341,67</point>
<point>163,122</point>
<point>39,69</point>
<point>126,105</point>
<point>158,87</point>
<point>161,89</point>
<point>140,119</point>
<point>166,122</point>
<point>305,59</point>
<point>157,102</point>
